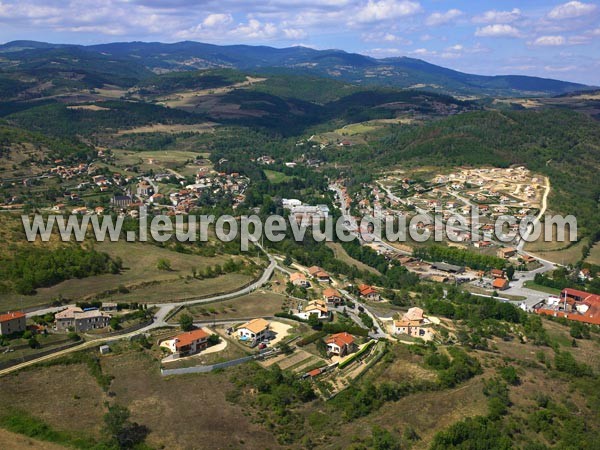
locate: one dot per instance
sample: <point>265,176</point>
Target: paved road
<point>160,318</point>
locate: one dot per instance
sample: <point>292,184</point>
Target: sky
<point>554,39</point>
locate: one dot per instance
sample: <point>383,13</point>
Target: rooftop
<point>11,316</point>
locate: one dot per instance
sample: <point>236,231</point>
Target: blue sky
<point>555,39</point>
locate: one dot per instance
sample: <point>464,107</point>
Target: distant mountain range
<point>126,63</point>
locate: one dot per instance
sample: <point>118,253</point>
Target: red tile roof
<point>340,339</point>
<point>11,316</point>
<point>189,337</point>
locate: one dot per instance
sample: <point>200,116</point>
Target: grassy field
<point>139,262</point>
<point>539,287</point>
<point>594,257</point>
<point>276,177</point>
<point>257,304</point>
<point>341,254</point>
<point>17,441</point>
<point>558,252</point>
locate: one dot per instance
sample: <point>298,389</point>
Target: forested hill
<point>125,63</point>
<point>562,144</point>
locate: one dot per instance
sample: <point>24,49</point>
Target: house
<point>317,308</point>
<point>506,252</point>
<point>414,324</point>
<point>255,331</point>
<point>299,279</point>
<point>319,274</point>
<point>482,244</point>
<point>187,343</point>
<point>12,322</point>
<point>332,296</point>
<point>368,292</point>
<point>497,273</point>
<point>340,344</point>
<point>144,189</point>
<point>585,274</point>
<point>500,284</point>
<point>80,320</point>
<point>109,306</point>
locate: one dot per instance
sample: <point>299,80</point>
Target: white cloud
<point>254,29</point>
<point>438,18</point>
<point>494,16</point>
<point>550,41</point>
<point>375,11</point>
<point>560,68</point>
<point>382,36</point>
<point>214,20</point>
<point>294,33</point>
<point>423,52</point>
<point>457,47</point>
<point>498,30</point>
<point>570,10</point>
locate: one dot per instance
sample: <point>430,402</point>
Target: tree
<point>163,264</point>
<point>122,432</point>
<point>186,322</point>
<point>510,272</point>
<point>288,260</point>
<point>213,339</point>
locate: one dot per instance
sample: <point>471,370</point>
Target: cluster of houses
<point>572,304</point>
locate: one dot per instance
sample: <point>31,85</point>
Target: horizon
<point>299,46</point>
<point>547,39</point>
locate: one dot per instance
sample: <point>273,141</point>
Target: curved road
<point>163,311</point>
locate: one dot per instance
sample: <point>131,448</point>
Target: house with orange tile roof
<point>368,292</point>
<point>415,324</point>
<point>319,274</point>
<point>255,331</point>
<point>299,279</point>
<point>500,284</point>
<point>497,273</point>
<point>340,344</point>
<point>187,343</point>
<point>12,322</point>
<point>332,296</point>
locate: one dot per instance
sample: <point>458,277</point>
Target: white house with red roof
<point>187,343</point>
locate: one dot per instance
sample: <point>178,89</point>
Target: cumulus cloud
<point>494,16</point>
<point>571,10</point>
<point>382,36</point>
<point>498,30</point>
<point>214,20</point>
<point>551,41</point>
<point>387,9</point>
<point>438,18</point>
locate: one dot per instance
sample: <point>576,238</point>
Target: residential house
<point>255,331</point>
<point>368,292</point>
<point>187,343</point>
<point>79,320</point>
<point>497,273</point>
<point>121,200</point>
<point>319,274</point>
<point>415,324</point>
<point>299,279</point>
<point>12,322</point>
<point>332,296</point>
<point>500,284</point>
<point>318,308</point>
<point>506,252</point>
<point>340,344</point>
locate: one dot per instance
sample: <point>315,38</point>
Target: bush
<point>186,322</point>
